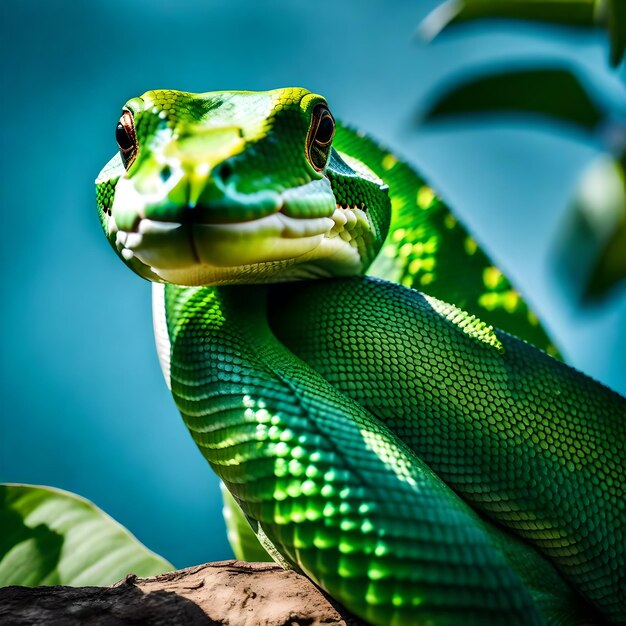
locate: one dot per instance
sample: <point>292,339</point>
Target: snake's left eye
<point>320,137</point>
<point>126,138</point>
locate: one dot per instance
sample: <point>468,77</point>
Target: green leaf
<point>616,22</point>
<point>610,14</point>
<point>53,537</point>
<point>552,92</point>
<point>592,242</point>
<point>566,12</point>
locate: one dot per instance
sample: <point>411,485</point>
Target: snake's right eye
<point>126,138</point>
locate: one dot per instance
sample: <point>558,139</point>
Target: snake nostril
<point>165,173</point>
<point>224,172</point>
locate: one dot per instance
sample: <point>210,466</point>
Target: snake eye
<point>126,138</point>
<point>320,136</point>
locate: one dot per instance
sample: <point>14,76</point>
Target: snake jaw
<point>306,234</point>
<point>270,248</point>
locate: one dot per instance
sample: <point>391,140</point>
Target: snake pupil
<point>224,172</point>
<point>325,130</point>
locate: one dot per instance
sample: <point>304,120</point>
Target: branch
<point>225,592</point>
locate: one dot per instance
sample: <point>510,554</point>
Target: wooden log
<point>232,593</point>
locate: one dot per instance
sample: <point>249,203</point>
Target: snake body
<point>418,465</point>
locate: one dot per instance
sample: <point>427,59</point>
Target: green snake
<point>418,465</point>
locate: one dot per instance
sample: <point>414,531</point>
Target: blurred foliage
<point>610,267</point>
<point>241,537</point>
<point>609,15</point>
<point>53,537</point>
<point>593,234</point>
<point>551,91</point>
<point>592,244</point>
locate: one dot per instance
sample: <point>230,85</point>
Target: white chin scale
<point>161,336</point>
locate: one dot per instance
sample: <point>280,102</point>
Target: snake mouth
<point>272,237</point>
<point>272,247</point>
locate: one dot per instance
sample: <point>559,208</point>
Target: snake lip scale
<point>309,232</point>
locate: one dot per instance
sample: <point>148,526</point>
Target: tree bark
<point>232,593</point>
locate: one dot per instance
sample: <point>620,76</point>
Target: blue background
<point>84,406</point>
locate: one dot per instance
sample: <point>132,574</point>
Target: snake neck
<point>219,357</point>
<point>229,323</point>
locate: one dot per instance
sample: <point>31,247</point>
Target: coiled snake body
<point>418,465</point>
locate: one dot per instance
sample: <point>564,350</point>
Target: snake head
<point>233,186</point>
